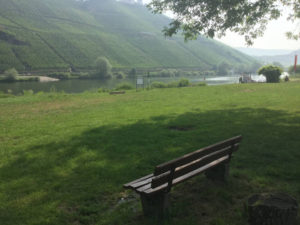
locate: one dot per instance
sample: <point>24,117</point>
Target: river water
<point>77,85</point>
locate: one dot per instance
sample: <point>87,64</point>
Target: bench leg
<point>155,205</point>
<point>218,173</point>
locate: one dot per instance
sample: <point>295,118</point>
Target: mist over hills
<point>285,59</point>
<point>59,34</point>
<point>269,56</point>
<point>263,52</point>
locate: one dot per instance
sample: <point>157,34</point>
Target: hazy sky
<point>274,37</point>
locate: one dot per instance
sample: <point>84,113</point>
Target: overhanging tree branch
<point>214,17</point>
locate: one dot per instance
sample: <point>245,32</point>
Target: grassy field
<point>64,158</point>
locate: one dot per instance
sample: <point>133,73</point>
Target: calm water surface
<point>77,86</point>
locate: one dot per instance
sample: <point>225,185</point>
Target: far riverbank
<point>82,85</point>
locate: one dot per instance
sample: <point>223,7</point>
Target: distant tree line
<point>292,69</point>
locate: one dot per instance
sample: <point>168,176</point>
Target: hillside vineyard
<point>61,34</point>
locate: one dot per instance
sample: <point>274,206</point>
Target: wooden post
<point>295,65</point>
<point>219,172</point>
<point>156,205</point>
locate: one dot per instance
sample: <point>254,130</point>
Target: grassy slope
<point>59,34</point>
<point>64,158</point>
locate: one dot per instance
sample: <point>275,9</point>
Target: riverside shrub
<point>60,75</point>
<point>103,68</point>
<point>183,83</point>
<point>159,85</point>
<point>125,86</point>
<point>11,75</point>
<point>271,72</point>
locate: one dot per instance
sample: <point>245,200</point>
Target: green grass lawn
<point>64,158</point>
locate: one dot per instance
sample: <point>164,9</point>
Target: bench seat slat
<point>162,168</point>
<point>184,169</point>
<point>130,184</point>
<point>148,190</point>
<point>141,183</point>
<point>145,189</point>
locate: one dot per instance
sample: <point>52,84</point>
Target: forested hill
<point>58,34</point>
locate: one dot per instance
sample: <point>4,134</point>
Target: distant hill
<point>59,34</point>
<point>285,60</point>
<point>263,52</point>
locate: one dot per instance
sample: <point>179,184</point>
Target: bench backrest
<point>167,172</point>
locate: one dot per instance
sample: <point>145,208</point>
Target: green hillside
<point>59,34</point>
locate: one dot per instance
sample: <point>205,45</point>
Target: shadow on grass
<point>79,180</point>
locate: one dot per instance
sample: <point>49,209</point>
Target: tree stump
<point>272,209</point>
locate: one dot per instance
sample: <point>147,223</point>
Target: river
<point>78,86</point>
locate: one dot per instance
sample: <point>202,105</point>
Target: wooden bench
<point>154,188</point>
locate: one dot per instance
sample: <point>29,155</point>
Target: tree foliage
<point>254,67</point>
<point>213,18</point>
<point>292,69</point>
<point>223,68</point>
<point>278,64</point>
<point>132,73</point>
<point>271,72</point>
<point>103,68</point>
<point>11,74</point>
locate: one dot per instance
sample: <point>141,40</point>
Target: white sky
<point>274,36</point>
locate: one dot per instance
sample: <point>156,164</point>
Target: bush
<point>103,68</point>
<point>201,84</point>
<point>223,68</point>
<point>25,79</point>
<point>172,85</point>
<point>11,75</point>
<point>124,86</point>
<point>120,75</point>
<point>40,93</point>
<point>84,76</point>
<point>183,83</point>
<point>165,73</point>
<point>191,73</point>
<point>4,95</point>
<point>272,73</point>
<point>103,90</point>
<point>158,85</point>
<point>28,92</point>
<point>196,73</point>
